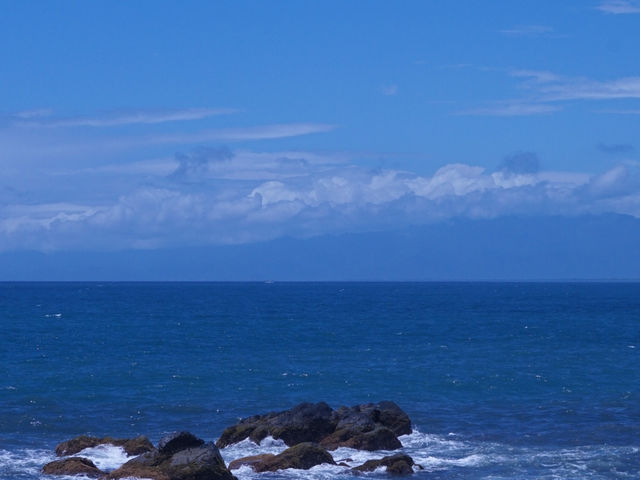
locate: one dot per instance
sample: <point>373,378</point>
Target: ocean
<point>501,380</point>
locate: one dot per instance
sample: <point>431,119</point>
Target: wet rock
<point>133,446</point>
<point>73,466</point>
<point>181,456</point>
<point>366,427</point>
<point>389,415</point>
<point>307,422</point>
<point>398,464</point>
<point>380,438</point>
<point>137,445</point>
<point>176,441</point>
<point>302,456</point>
<point>250,461</point>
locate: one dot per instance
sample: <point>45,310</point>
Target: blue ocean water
<point>501,380</point>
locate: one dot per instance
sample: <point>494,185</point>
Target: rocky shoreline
<point>310,431</point>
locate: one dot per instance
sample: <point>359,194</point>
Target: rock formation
<point>73,466</point>
<point>133,446</point>
<point>398,464</point>
<point>302,456</point>
<point>365,427</point>
<point>180,456</point>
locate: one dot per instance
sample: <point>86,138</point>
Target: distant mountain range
<point>605,247</point>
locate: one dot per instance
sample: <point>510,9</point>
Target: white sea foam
<point>246,448</point>
<point>27,462</point>
<point>107,457</point>
<point>433,452</point>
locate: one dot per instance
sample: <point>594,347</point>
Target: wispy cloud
<point>619,7</point>
<point>529,31</point>
<point>620,111</point>
<point>27,144</point>
<point>30,114</point>
<point>544,92</point>
<point>262,132</point>
<point>586,89</point>
<point>126,118</point>
<point>615,148</point>
<point>390,90</point>
<point>541,76</point>
<point>501,109</point>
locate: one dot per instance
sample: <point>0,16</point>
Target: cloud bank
<point>216,197</point>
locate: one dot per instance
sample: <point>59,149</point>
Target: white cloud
<point>537,75</point>
<point>551,87</point>
<point>125,118</point>
<point>502,109</point>
<point>545,92</point>
<point>620,111</point>
<point>29,114</point>
<point>27,145</point>
<point>619,7</point>
<point>316,195</point>
<point>390,90</point>
<point>528,31</point>
<point>584,89</point>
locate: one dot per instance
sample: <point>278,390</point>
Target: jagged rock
<point>307,422</point>
<point>176,441</point>
<point>250,461</point>
<point>137,445</point>
<point>133,446</point>
<point>366,427</point>
<point>389,415</point>
<point>180,456</point>
<point>302,456</point>
<point>380,438</point>
<point>73,466</point>
<point>398,464</point>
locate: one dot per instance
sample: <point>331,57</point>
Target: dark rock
<point>73,446</point>
<point>198,463</point>
<point>73,466</point>
<point>301,456</point>
<point>372,426</point>
<point>307,422</point>
<point>391,416</point>
<point>365,417</point>
<point>237,432</point>
<point>353,418</point>
<point>137,445</point>
<point>181,456</point>
<point>176,441</point>
<point>133,446</point>
<point>381,438</point>
<point>147,465</point>
<point>398,464</point>
<point>250,461</point>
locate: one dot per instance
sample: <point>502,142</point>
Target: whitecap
<point>106,457</point>
<point>246,448</point>
<point>23,462</point>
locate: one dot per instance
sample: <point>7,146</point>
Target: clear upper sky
<point>153,124</point>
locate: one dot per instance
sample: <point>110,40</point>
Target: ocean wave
<point>106,457</point>
<point>26,463</point>
<point>433,453</point>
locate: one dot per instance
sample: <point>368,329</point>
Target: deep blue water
<point>501,380</point>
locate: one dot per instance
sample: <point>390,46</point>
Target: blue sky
<point>151,125</point>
